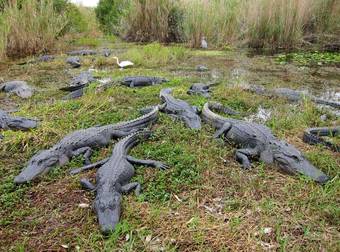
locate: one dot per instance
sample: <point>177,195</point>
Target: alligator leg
<point>85,151</point>
<point>86,184</point>
<point>129,187</point>
<point>152,163</point>
<point>88,167</point>
<point>243,155</point>
<point>132,84</point>
<point>223,130</point>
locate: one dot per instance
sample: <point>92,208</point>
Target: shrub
<point>109,14</point>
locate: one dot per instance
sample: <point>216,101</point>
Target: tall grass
<point>153,20</point>
<point>215,20</point>
<point>258,23</point>
<point>29,28</point>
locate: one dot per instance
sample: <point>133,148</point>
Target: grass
<point>204,202</point>
<point>22,27</point>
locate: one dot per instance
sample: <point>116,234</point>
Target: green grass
<point>204,202</point>
<point>87,41</point>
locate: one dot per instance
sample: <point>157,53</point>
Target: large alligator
<point>179,109</point>
<point>16,122</point>
<point>291,95</point>
<point>20,88</point>
<point>142,81</point>
<point>81,142</point>
<point>113,179</point>
<point>257,141</point>
<point>313,136</point>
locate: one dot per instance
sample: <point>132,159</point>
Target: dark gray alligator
<point>16,122</point>
<point>257,141</point>
<point>84,52</point>
<point>200,89</point>
<point>142,81</point>
<point>313,136</point>
<point>79,81</point>
<point>179,109</point>
<point>20,88</point>
<point>113,179</point>
<point>81,142</point>
<point>73,61</point>
<point>291,95</point>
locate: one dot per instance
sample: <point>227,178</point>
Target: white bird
<point>204,43</point>
<point>123,64</point>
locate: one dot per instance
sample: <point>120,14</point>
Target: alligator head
<point>39,164</point>
<point>108,206</point>
<point>290,160</point>
<point>191,119</point>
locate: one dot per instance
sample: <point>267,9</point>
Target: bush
<point>109,14</point>
<point>154,20</point>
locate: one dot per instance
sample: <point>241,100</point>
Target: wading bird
<point>123,64</point>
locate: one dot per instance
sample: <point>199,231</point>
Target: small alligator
<point>113,179</point>
<point>73,61</point>
<point>200,89</point>
<point>80,81</point>
<point>257,141</point>
<point>142,81</point>
<point>16,122</point>
<point>81,142</point>
<point>291,95</point>
<point>179,109</point>
<point>82,52</point>
<point>313,136</point>
<point>20,88</point>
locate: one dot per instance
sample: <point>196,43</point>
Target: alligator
<point>73,61</point>
<point>16,122</point>
<point>179,109</point>
<point>82,52</point>
<point>113,179</point>
<point>200,89</point>
<point>291,95</point>
<point>81,142</point>
<point>80,81</point>
<point>142,81</point>
<point>106,52</point>
<point>20,88</point>
<point>257,141</point>
<point>313,136</point>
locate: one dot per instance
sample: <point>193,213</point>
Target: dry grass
<point>30,29</point>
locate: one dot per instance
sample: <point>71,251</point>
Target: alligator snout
<point>108,208</point>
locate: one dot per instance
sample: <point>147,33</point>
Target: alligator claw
<point>161,165</point>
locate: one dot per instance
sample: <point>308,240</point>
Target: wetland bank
<point>204,201</point>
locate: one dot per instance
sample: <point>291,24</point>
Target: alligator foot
<point>88,167</point>
<point>152,163</point>
<point>86,184</point>
<point>86,152</point>
<point>129,187</point>
<point>223,130</point>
